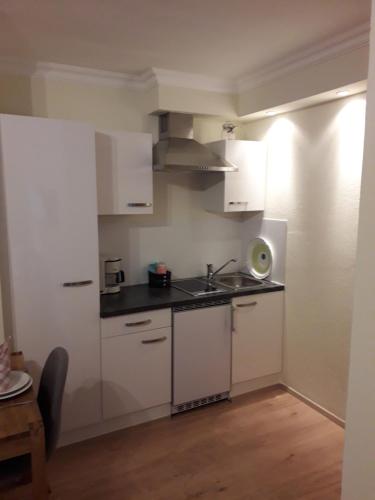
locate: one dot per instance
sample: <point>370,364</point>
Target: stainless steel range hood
<point>177,151</point>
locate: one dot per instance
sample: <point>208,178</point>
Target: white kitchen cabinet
<point>124,173</point>
<point>49,217</point>
<point>257,335</point>
<point>136,371</point>
<point>241,191</point>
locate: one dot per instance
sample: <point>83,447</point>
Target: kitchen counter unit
<point>138,298</point>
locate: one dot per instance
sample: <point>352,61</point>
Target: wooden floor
<point>265,446</point>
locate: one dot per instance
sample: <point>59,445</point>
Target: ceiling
<point>211,37</point>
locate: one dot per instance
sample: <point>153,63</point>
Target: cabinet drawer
<point>136,372</point>
<point>137,322</point>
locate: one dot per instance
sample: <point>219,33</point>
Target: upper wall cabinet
<point>124,173</point>
<point>241,191</point>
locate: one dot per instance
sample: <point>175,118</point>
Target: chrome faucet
<point>210,269</point>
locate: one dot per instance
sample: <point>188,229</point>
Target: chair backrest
<point>50,395</point>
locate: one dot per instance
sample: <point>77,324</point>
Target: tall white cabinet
<point>48,193</point>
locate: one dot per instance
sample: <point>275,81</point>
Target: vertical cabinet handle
<point>232,309</point>
<point>136,204</point>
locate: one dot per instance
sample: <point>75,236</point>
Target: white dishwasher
<point>202,346</point>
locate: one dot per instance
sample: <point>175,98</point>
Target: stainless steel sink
<point>238,281</point>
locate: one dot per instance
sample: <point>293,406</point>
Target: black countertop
<point>138,298</point>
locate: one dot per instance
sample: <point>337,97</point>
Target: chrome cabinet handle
<point>133,204</point>
<point>238,306</point>
<point>249,304</point>
<point>77,283</point>
<point>237,202</point>
<point>153,341</point>
<point>139,323</point>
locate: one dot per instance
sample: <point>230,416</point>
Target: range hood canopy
<point>177,151</point>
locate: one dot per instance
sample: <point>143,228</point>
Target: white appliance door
<point>201,353</point>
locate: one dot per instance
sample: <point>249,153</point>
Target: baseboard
<point>339,421</point>
<point>115,424</point>
<point>254,385</point>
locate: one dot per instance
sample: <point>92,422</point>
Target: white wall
<point>359,455</point>
<point>330,73</point>
<point>179,233</point>
<point>314,168</point>
<point>104,106</point>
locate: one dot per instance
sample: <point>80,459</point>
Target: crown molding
<point>328,49</point>
<point>81,74</point>
<point>345,42</point>
<point>140,81</point>
<point>55,71</point>
<point>194,81</point>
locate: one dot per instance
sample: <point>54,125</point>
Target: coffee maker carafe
<point>111,275</point>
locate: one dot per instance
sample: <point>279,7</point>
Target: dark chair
<point>50,395</point>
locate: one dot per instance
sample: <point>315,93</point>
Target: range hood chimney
<point>177,151</point>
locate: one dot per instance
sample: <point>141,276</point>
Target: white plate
<point>259,258</point>
<point>18,380</point>
<point>20,391</point>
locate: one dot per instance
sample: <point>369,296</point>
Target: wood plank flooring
<point>264,446</point>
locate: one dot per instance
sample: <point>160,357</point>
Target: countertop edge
<point>189,300</point>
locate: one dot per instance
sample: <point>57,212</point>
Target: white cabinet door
<point>243,190</point>
<point>136,372</point>
<point>257,335</point>
<point>124,173</point>
<point>50,212</point>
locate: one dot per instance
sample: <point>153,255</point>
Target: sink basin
<point>237,281</point>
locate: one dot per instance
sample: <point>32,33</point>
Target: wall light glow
<point>346,137</point>
<point>280,140</point>
<point>342,93</point>
<point>270,113</point>
<point>351,130</point>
